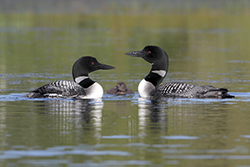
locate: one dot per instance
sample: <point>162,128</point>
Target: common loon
<point>149,86</point>
<point>82,87</point>
<point>120,89</point>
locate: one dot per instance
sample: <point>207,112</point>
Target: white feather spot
<point>81,78</point>
<point>162,73</point>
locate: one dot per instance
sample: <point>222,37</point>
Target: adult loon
<point>149,86</point>
<point>120,89</point>
<point>82,87</point>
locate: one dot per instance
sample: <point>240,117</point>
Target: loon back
<point>184,90</point>
<point>58,89</point>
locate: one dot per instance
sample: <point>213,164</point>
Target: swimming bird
<point>120,89</point>
<point>150,85</point>
<point>82,87</point>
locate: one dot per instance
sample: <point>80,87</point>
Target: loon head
<point>154,55</point>
<point>87,64</point>
<point>159,61</point>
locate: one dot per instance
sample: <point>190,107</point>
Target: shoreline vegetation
<point>63,13</point>
<point>128,7</point>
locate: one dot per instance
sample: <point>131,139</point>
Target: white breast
<point>94,91</point>
<point>145,88</point>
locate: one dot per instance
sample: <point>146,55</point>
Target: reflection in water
<point>152,116</point>
<point>74,118</point>
<point>75,106</point>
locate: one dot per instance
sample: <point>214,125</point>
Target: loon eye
<point>93,63</point>
<point>149,52</point>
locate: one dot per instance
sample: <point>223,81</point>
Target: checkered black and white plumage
<point>179,89</point>
<point>58,89</point>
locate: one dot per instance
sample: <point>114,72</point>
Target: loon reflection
<point>152,115</point>
<point>76,117</point>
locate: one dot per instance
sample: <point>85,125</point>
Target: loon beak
<point>135,54</point>
<point>104,66</point>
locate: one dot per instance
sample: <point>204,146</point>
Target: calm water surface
<point>207,44</point>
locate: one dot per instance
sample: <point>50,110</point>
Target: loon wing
<point>63,89</point>
<point>179,89</point>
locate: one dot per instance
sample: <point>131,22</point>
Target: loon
<point>82,87</point>
<point>149,86</point>
<point>120,89</point>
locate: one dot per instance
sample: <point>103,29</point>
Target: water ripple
<point>13,154</point>
<point>118,137</point>
<point>240,96</point>
<point>238,157</point>
<point>180,137</point>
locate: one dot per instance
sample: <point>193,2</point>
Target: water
<point>207,43</point>
<point>124,130</point>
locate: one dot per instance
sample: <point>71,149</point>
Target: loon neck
<point>92,88</point>
<point>156,76</point>
<point>84,81</point>
<point>149,83</point>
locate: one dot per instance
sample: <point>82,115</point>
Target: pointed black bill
<point>104,66</point>
<point>135,54</point>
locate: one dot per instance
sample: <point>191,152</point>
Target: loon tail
<point>220,93</point>
<point>34,95</point>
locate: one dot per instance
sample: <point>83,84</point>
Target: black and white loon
<point>82,87</point>
<point>149,86</point>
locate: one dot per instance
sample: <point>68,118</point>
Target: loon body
<point>82,87</point>
<point>150,85</point>
<point>120,89</point>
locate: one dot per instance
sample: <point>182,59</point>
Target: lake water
<point>207,43</point>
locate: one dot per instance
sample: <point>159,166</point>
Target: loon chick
<point>120,89</point>
<point>149,86</point>
<point>81,87</point>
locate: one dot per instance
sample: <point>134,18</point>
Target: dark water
<point>207,43</point>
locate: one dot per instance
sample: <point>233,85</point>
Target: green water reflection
<point>200,42</point>
<point>207,43</point>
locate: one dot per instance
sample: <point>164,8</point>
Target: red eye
<point>149,52</point>
<point>93,63</point>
